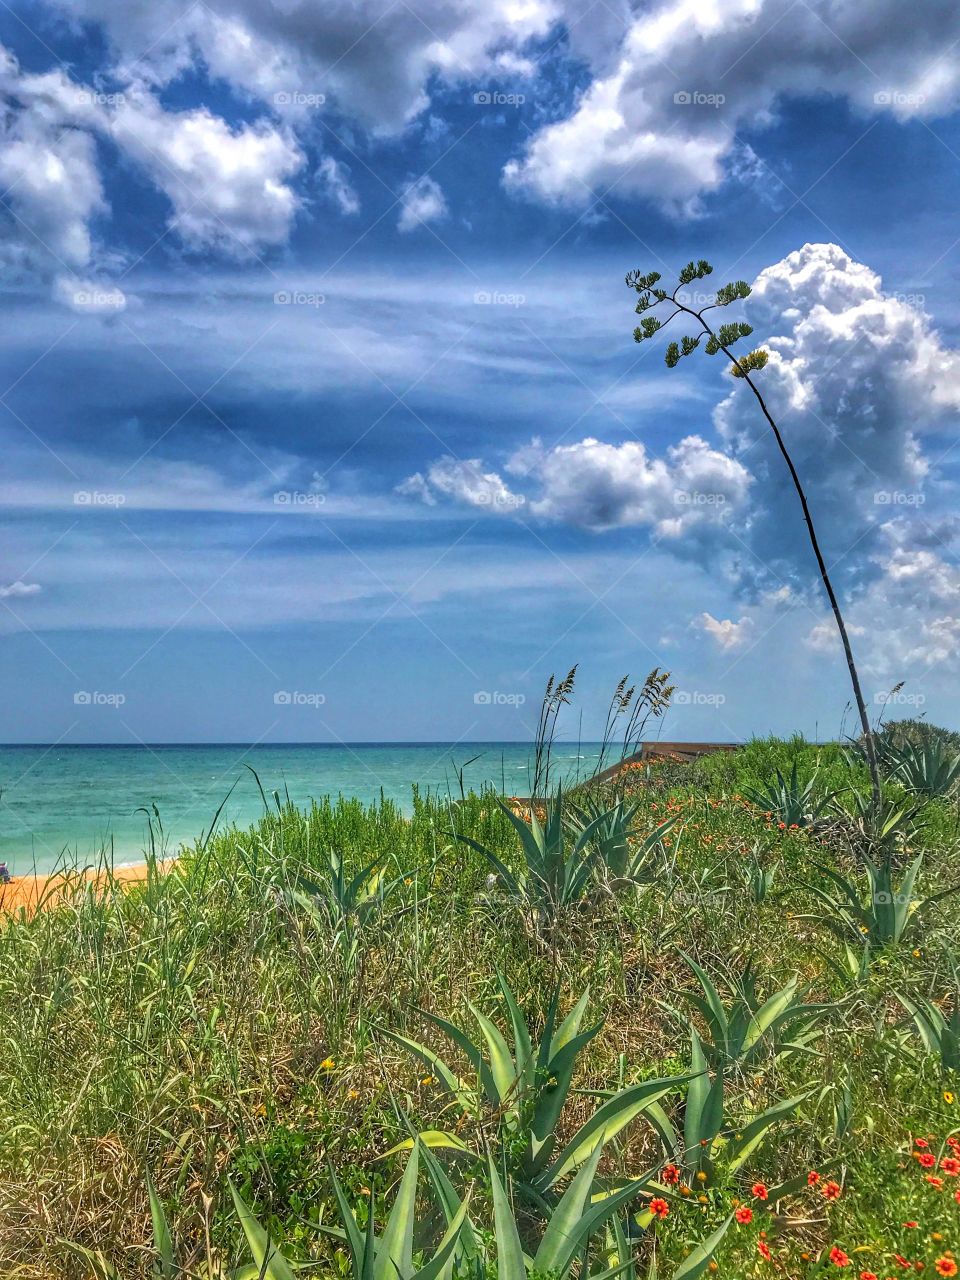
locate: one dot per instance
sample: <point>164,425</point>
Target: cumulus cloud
<point>422,201</point>
<point>371,59</point>
<point>228,186</point>
<point>48,167</point>
<point>907,619</point>
<point>661,116</point>
<point>599,486</point>
<point>725,633</point>
<point>18,589</point>
<point>463,481</point>
<point>858,379</point>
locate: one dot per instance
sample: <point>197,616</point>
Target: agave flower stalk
<point>722,339</point>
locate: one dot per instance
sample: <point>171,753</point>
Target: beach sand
<point>31,891</point>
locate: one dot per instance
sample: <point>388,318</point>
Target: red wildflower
<point>911,1225</point>
<point>744,1215</point>
<point>670,1174</point>
<point>764,1250</point>
<point>813,1178</point>
<point>759,1190</point>
<point>946,1267</point>
<point>936,1183</point>
<point>869,1275</point>
<point>921,1142</point>
<point>951,1165</point>
<point>901,1260</point>
<point>831,1191</point>
<point>927,1160</point>
<point>838,1257</point>
<point>659,1208</point>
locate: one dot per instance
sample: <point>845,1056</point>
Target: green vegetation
<point>654,1029</point>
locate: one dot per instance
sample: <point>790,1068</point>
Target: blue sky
<point>318,378</point>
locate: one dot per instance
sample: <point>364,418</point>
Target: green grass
<point>204,1028</point>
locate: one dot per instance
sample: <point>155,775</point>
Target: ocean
<point>66,803</point>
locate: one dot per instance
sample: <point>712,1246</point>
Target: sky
<point>321,415</point>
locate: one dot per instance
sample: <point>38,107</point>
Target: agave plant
<point>390,1255</point>
<point>338,902</point>
<point>750,1026</point>
<point>928,770</point>
<point>758,879</point>
<point>573,1223</point>
<point>879,914</point>
<point>710,1132</point>
<point>526,1086</point>
<point>558,870</point>
<point>619,854</point>
<point>344,898</point>
<point>939,1031</point>
<point>886,829</point>
<point>790,801</point>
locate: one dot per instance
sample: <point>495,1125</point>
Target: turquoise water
<point>75,800</point>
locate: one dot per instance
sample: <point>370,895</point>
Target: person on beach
<point>4,873</point>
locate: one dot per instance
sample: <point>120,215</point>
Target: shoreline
<point>45,890</point>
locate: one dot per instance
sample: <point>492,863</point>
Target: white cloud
<point>662,114</point>
<point>726,633</point>
<point>17,589</point>
<point>463,481</point>
<point>372,59</point>
<point>334,179</point>
<point>422,201</point>
<point>600,486</point>
<point>228,186</point>
<point>89,297</point>
<point>48,167</point>
<point>858,379</point>
<point>908,617</point>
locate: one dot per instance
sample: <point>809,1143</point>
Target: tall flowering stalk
<point>722,339</point>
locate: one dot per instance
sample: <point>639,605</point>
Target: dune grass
<point>223,1024</point>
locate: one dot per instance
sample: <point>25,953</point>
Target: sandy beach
<point>32,891</point>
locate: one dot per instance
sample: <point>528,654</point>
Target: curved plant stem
<point>814,542</point>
